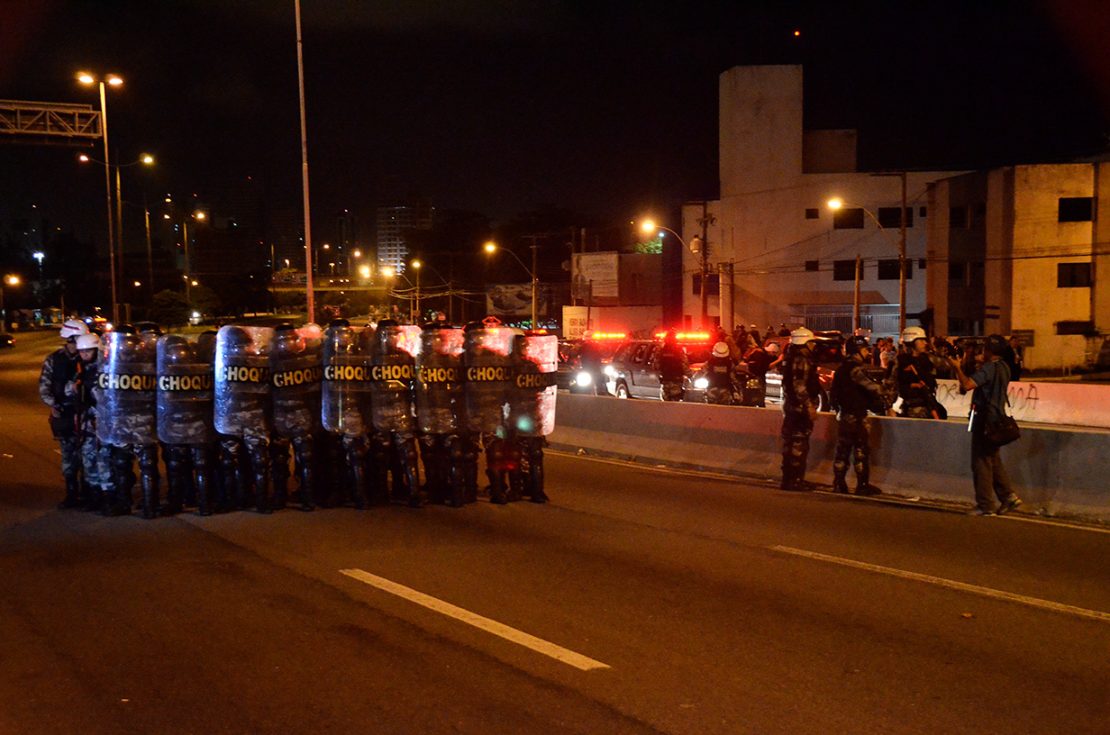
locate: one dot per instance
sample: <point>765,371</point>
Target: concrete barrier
<point>1069,404</point>
<point>1057,471</point>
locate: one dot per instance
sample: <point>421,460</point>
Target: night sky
<point>604,108</point>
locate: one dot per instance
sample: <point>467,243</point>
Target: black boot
<point>535,475</point>
<point>150,496</point>
<point>204,492</point>
<point>73,494</point>
<point>840,485</point>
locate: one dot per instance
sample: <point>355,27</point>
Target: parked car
<point>7,340</point>
<point>634,372</point>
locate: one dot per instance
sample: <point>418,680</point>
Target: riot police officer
<point>487,359</point>
<point>58,370</point>
<point>242,409</point>
<point>800,389</point>
<point>915,376</point>
<point>853,394</point>
<point>673,365</point>
<point>184,400</point>
<point>531,411</point>
<point>439,399</point>
<point>127,416</point>
<point>345,391</point>
<point>96,459</point>
<point>719,374</point>
<point>296,371</point>
<point>392,373</point>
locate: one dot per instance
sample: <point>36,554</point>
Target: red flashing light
<point>686,336</point>
<point>605,336</point>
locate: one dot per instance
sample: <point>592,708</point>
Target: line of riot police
<point>356,407</point>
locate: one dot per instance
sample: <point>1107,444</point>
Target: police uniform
<point>126,417</point>
<point>59,369</point>
<point>296,371</point>
<point>185,385</point>
<point>532,399</point>
<point>718,372</point>
<point>392,374</point>
<point>672,364</point>
<point>800,389</point>
<point>853,394</point>
<point>439,410</point>
<point>242,414</point>
<point>345,408</point>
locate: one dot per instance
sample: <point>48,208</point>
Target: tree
<point>169,308</point>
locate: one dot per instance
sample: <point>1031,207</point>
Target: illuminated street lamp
<point>11,280</point>
<point>491,247</point>
<point>111,80</point>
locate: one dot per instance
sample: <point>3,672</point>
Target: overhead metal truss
<point>48,122</point>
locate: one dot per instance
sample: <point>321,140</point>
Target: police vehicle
<point>634,369</point>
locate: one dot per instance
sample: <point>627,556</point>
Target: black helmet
<point>855,344</point>
<point>177,350</point>
<point>338,323</point>
<point>236,338</point>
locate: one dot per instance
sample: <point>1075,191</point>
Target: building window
<point>957,218</point>
<point>888,269</point>
<point>812,265</point>
<point>957,274</point>
<point>1075,327</point>
<point>921,263</point>
<point>922,211</point>
<point>813,213</point>
<point>845,270</point>
<point>1073,275</point>
<point>889,217</point>
<point>714,284</point>
<point>1075,209</point>
<point>848,218</point>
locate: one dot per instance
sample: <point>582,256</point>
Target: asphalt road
<point>638,600</point>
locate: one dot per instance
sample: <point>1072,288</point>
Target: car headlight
<point>583,379</point>
<point>610,371</point>
<point>701,383</point>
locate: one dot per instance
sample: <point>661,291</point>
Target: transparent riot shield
<point>439,388</point>
<point>296,373</point>
<point>487,376</point>
<point>242,381</point>
<point>184,393</point>
<point>346,389</point>
<point>532,407</point>
<point>392,374</point>
<point>126,382</point>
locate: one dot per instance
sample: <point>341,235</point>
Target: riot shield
<point>346,391</point>
<point>439,388</point>
<point>296,370</point>
<point>532,406</point>
<point>392,374</point>
<point>125,388</point>
<point>242,381</point>
<point>487,375</point>
<point>184,393</point>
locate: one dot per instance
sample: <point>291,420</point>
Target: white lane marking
<point>951,584</point>
<point>501,630</point>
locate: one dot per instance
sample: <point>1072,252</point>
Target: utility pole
<point>902,262</point>
<point>855,296</point>
<point>310,296</point>
<point>704,221</point>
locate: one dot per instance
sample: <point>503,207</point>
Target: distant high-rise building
<point>394,222</point>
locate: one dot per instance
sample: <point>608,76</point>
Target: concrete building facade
<point>1016,250</point>
<point>393,224</point>
<point>777,252</point>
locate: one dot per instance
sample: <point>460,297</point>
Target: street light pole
<point>309,295</point>
<point>188,275</point>
<point>108,199</point>
<point>902,262</point>
<point>535,284</point>
<point>149,253</point>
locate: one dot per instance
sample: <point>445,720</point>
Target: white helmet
<point>909,334</point>
<point>88,342</point>
<point>773,348</point>
<point>73,328</point>
<point>801,335</point>
<point>720,350</point>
